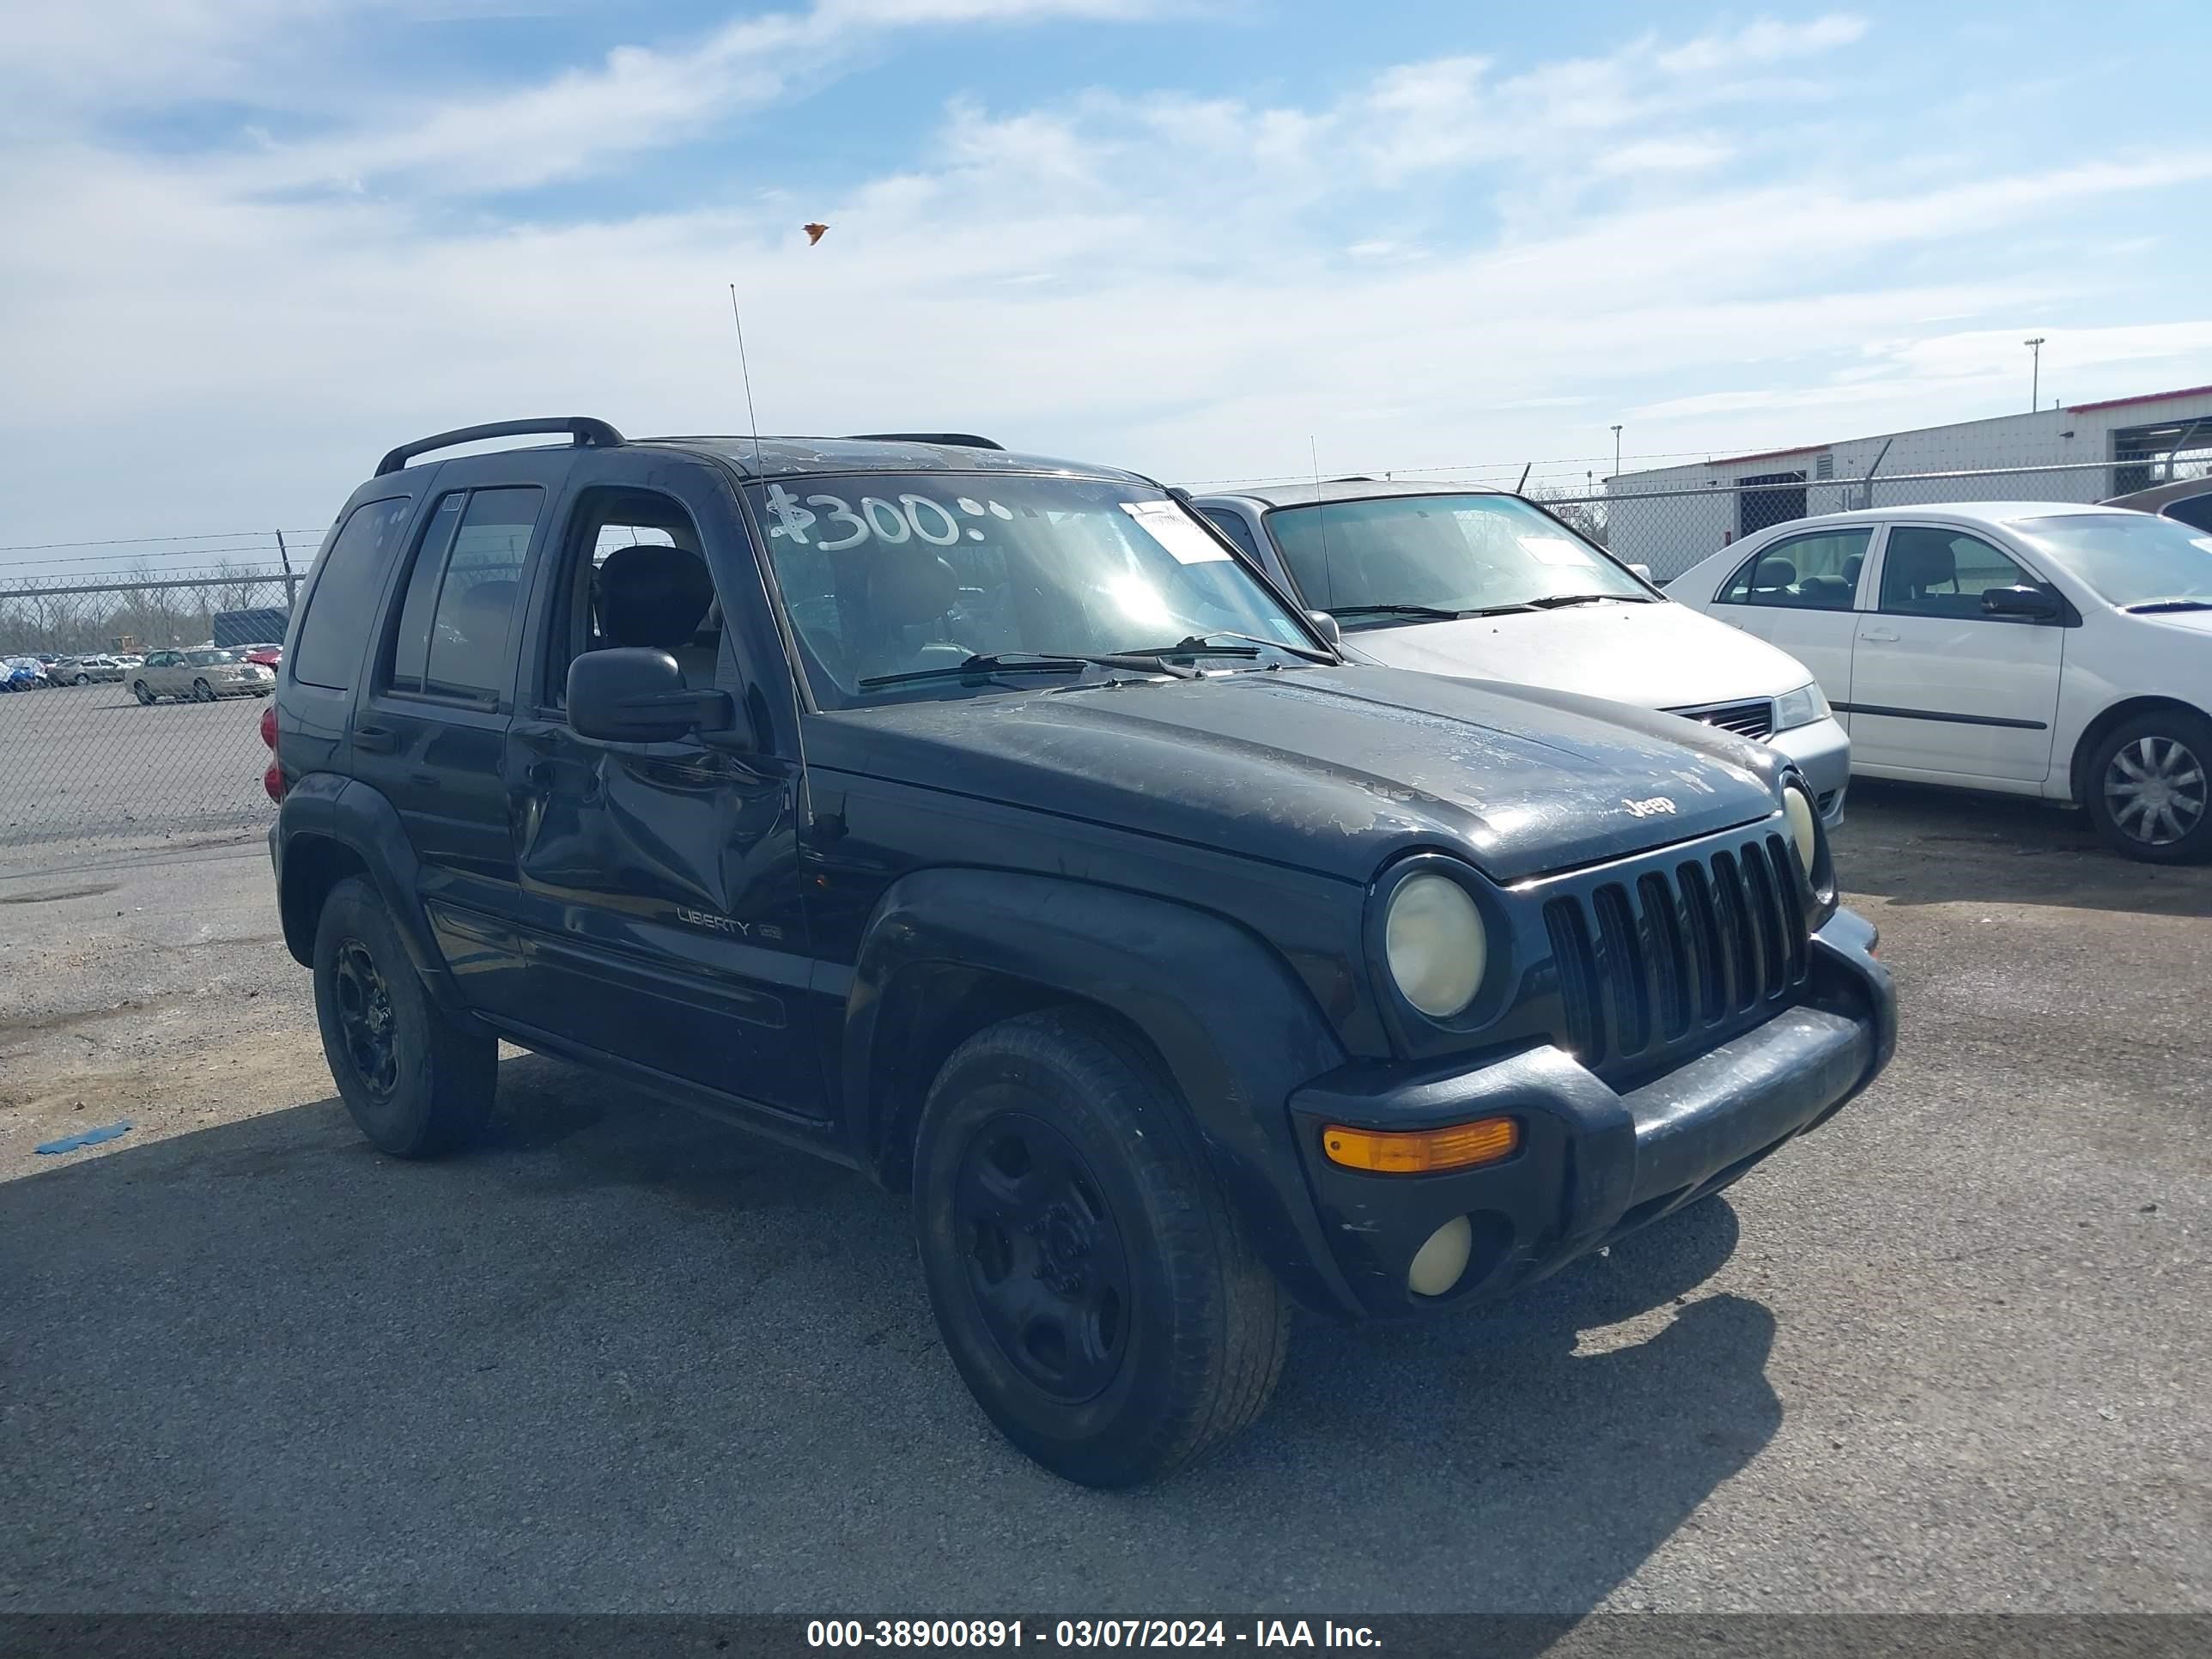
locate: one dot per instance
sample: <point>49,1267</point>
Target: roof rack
<point>957,440</point>
<point>588,434</point>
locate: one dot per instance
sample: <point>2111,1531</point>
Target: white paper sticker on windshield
<point>1166,524</point>
<point>1554,550</point>
<point>2204,542</point>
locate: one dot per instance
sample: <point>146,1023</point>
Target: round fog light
<point>1438,1264</point>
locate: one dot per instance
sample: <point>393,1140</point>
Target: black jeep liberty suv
<point>990,824</point>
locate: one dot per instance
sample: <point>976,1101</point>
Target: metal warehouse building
<point>1668,518</point>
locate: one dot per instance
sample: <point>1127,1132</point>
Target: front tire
<point>202,692</point>
<point>2148,788</point>
<point>417,1081</point>
<point>145,697</point>
<point>1094,1288</point>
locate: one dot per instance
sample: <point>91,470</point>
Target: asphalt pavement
<point>1950,1353</point>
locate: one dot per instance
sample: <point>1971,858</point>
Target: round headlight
<point>1433,940</point>
<point>1797,807</point>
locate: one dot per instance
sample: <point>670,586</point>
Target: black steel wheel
<point>138,690</point>
<point>202,692</point>
<point>364,1016</point>
<point>1093,1286</point>
<point>1045,1260</point>
<point>417,1080</point>
<point>2148,788</point>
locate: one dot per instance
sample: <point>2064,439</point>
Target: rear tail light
<point>273,779</point>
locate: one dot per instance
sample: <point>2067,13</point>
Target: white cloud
<point>1763,42</point>
<point>1665,155</point>
<point>639,100</point>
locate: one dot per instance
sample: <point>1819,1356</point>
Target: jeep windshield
<point>1401,559</point>
<point>934,584</point>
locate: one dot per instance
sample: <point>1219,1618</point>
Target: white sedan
<point>2033,647</point>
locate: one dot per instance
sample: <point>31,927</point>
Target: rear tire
<point>1092,1285</point>
<point>2148,788</point>
<point>417,1081</point>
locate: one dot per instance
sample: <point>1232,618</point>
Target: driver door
<point>659,913</point>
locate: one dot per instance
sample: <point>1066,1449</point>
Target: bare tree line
<point>132,614</point>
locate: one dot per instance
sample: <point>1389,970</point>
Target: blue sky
<point>256,241</point>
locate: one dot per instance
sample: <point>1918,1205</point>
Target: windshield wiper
<point>1558,599</point>
<point>1435,612</point>
<point>2168,605</point>
<point>981,667</point>
<point>1202,645</point>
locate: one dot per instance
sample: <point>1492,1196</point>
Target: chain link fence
<point>128,718</point>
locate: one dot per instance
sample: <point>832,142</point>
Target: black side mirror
<point>635,694</point>
<point>2030,603</point>
<point>1328,625</point>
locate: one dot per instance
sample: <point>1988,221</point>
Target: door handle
<point>1878,636</point>
<point>377,739</point>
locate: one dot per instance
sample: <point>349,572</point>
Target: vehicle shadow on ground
<point>629,1358</point>
<point>1914,844</point>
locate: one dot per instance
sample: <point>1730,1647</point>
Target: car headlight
<point>1804,826</point>
<point>1434,942</point>
<point>1802,706</point>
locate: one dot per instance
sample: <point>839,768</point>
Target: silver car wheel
<point>2155,790</point>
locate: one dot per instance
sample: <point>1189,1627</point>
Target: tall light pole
<point>2034,372</point>
<point>1616,451</point>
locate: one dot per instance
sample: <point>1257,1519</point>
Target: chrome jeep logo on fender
<point>1653,806</point>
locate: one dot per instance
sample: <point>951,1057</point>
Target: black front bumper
<point>1593,1164</point>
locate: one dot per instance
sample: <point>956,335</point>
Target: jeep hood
<point>1330,770</point>
<point>1661,656</point>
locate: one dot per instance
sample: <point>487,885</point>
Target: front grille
<point>1746,720</point>
<point>1648,962</point>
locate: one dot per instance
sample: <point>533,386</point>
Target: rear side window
<point>456,633</point>
<point>1819,571</point>
<point>343,602</point>
<point>1233,526</point>
<point>2195,511</point>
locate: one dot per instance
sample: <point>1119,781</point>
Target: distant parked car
<point>23,674</point>
<point>1479,584</point>
<point>201,676</point>
<point>85,671</point>
<point>269,656</point>
<point>2030,647</point>
<point>2189,500</point>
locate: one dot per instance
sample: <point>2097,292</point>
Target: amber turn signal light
<point>1422,1151</point>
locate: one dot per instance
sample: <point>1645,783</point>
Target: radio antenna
<point>746,369</point>
<point>1320,509</point>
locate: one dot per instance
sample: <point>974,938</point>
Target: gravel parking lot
<point>1950,1353</point>
<point>85,763</point>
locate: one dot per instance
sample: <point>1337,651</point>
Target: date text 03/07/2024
<point>986,1633</point>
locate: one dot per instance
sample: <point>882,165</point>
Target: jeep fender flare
<point>1236,1028</point>
<point>325,807</point>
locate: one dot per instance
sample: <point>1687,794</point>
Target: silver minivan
<point>1479,584</point>
<point>201,676</point>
